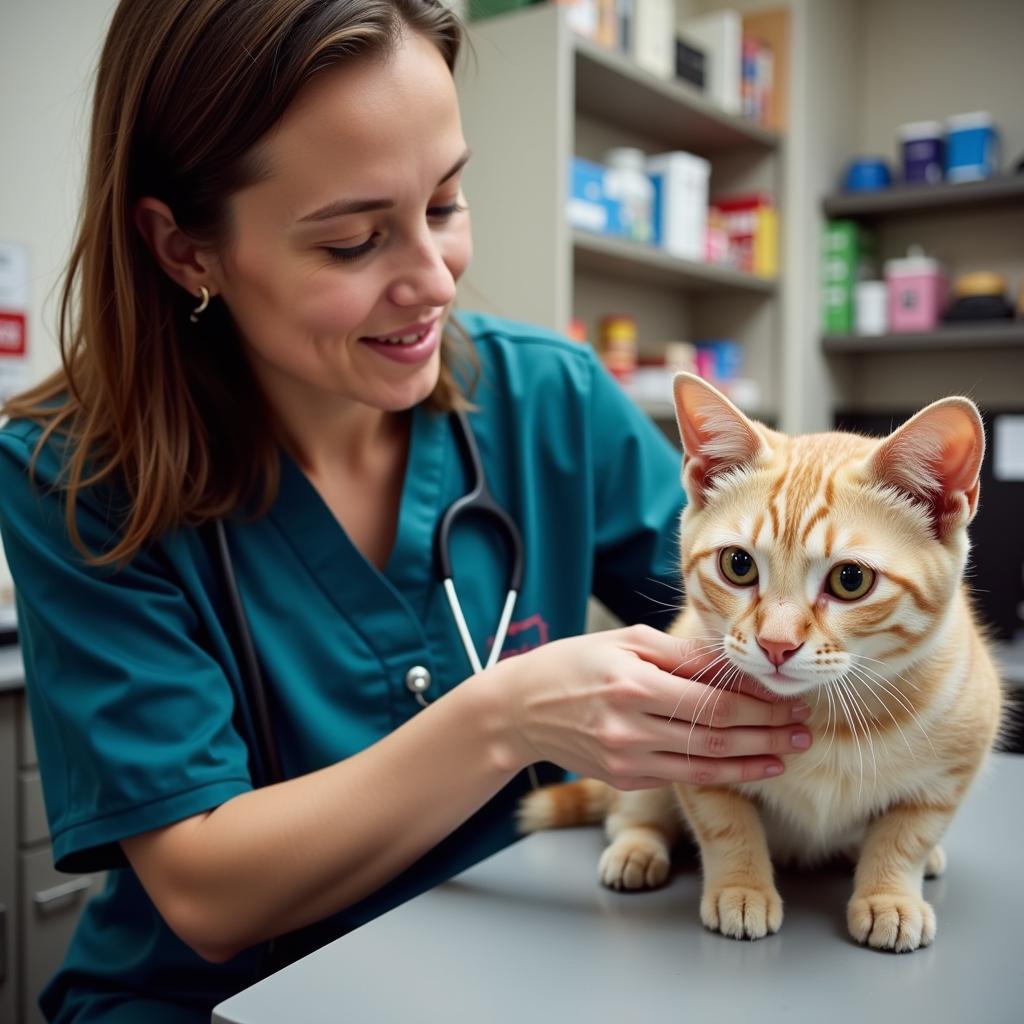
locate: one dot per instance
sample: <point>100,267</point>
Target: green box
<point>847,256</point>
<point>477,10</point>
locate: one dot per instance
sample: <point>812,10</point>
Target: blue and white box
<point>590,208</point>
<point>972,147</point>
<point>680,203</point>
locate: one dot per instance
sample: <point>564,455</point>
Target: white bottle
<point>626,181</point>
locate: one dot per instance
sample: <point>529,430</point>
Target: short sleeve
<point>639,498</point>
<point>131,712</point>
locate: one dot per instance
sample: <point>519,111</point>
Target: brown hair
<point>185,90</point>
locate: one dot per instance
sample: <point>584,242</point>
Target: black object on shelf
<point>691,63</point>
<point>978,307</point>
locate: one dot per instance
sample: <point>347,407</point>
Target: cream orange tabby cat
<point>827,566</point>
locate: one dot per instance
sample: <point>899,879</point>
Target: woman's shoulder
<point>20,445</point>
<point>489,329</point>
<point>528,351</point>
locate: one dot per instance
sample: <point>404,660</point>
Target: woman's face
<point>356,235</point>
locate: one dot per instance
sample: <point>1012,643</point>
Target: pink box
<point>917,293</point>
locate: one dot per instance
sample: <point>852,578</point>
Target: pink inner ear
<point>935,458</point>
<point>716,436</point>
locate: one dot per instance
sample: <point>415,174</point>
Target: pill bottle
<point>618,345</point>
<point>626,182</point>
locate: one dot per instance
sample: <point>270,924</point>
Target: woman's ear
<point>181,258</point>
<point>716,436</point>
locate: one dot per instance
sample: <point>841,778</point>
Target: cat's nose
<point>778,651</point>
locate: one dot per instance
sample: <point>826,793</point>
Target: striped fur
<point>906,699</point>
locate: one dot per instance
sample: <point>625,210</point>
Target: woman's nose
<point>425,278</point>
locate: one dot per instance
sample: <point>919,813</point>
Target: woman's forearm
<point>274,859</point>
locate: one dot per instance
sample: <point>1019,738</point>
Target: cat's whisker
<point>863,713</point>
<point>665,584</point>
<point>828,722</point>
<point>858,674</point>
<point>891,690</point>
<point>711,685</point>
<point>721,657</point>
<point>654,600</point>
<point>897,675</point>
<point>853,729</point>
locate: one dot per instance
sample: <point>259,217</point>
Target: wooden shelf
<point>909,199</point>
<point>675,112</point>
<point>631,261</point>
<point>959,337</point>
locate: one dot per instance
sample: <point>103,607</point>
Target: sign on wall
<point>14,365</point>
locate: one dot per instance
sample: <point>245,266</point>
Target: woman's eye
<point>352,252</point>
<point>738,566</point>
<point>848,581</point>
<point>444,212</point>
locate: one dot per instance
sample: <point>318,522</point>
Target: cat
<point>827,566</point>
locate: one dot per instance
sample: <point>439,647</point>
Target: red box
<point>13,341</point>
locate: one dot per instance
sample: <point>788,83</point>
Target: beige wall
<point>48,50</point>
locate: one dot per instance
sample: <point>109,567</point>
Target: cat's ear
<point>935,459</point>
<point>716,436</point>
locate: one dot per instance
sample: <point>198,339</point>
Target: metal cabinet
<point>39,906</point>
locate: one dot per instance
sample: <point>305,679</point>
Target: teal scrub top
<point>130,673</point>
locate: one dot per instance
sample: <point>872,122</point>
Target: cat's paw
<point>900,921</point>
<point>741,911</point>
<point>633,864</point>
<point>935,866</point>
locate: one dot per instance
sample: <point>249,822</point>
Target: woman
<point>257,330</point>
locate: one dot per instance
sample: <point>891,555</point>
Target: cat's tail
<point>583,802</point>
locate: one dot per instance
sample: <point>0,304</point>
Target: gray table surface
<point>530,935</point>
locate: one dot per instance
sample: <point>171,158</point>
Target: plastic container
<point>972,147</point>
<point>626,182</point>
<point>917,292</point>
<point>923,147</point>
<point>867,174</point>
<point>680,183</point>
<point>871,315</point>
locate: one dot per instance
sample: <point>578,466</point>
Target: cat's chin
<point>783,685</point>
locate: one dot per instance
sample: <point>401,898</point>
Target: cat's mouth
<point>783,684</point>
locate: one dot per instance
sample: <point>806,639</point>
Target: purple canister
<point>923,146</point>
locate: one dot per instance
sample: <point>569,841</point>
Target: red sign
<point>12,334</point>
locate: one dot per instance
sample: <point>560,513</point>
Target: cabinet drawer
<point>31,809</point>
<point>27,756</point>
<point>50,905</point>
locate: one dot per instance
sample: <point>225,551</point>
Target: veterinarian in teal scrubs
<point>261,333</point>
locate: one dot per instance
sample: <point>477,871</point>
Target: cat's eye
<point>738,566</point>
<point>849,580</point>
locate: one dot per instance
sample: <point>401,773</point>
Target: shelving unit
<point>961,337</point>
<point>631,261</point>
<point>534,94</point>
<point>910,199</point>
<point>969,226</point>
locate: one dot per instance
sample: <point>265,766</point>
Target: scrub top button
<point>417,682</point>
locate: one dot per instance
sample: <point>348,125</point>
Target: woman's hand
<point>624,706</point>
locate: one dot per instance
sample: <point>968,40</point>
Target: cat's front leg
<point>739,897</point>
<point>887,909</point>
<point>642,827</point>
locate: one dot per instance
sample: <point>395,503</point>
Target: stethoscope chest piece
<point>417,682</point>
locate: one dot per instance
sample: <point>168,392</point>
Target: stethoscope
<point>478,502</point>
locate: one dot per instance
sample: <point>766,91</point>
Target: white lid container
<point>921,130</point>
<point>915,262</point>
<point>963,122</point>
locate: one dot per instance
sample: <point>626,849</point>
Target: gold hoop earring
<point>204,295</point>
